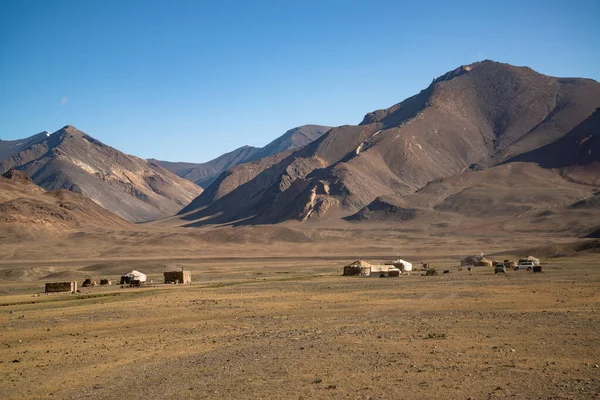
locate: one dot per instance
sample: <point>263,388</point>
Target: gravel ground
<point>456,336</point>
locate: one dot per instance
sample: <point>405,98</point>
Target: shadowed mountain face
<point>205,174</point>
<point>133,188</point>
<point>9,148</point>
<point>577,154</point>
<point>384,209</point>
<point>595,234</point>
<point>474,117</point>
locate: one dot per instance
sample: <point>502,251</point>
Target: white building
<point>402,265</point>
<point>133,276</point>
<point>385,270</point>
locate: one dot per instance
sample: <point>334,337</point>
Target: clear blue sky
<point>190,80</point>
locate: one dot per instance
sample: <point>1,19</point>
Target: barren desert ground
<point>299,200</point>
<point>294,328</point>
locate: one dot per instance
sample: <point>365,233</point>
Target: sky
<point>190,80</point>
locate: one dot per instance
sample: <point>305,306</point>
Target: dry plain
<point>279,327</point>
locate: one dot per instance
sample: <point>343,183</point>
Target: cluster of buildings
<point>399,266</point>
<point>392,269</point>
<point>356,268</point>
<point>131,278</point>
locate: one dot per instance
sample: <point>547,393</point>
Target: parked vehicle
<point>500,268</point>
<point>526,264</point>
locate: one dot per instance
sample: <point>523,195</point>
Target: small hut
<point>469,261</point>
<point>384,271</point>
<point>178,276</point>
<point>358,267</point>
<point>133,277</point>
<point>88,282</point>
<point>58,287</point>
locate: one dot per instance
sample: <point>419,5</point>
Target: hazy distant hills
<point>293,139</point>
<point>205,173</point>
<point>131,187</point>
<point>469,119</point>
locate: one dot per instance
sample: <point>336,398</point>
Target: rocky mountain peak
<point>17,176</point>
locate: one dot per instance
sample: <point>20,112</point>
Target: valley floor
<point>296,329</point>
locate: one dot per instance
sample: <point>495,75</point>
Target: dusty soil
<point>295,329</point>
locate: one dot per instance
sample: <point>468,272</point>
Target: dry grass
<point>266,330</point>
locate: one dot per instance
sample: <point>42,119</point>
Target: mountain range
<point>486,142</point>
<point>477,117</point>
<point>204,174</point>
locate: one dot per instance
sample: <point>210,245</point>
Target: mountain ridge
<point>475,116</point>
<point>204,174</point>
<point>126,185</point>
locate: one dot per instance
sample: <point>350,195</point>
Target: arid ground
<point>291,327</point>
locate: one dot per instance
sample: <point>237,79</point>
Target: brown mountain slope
<point>205,174</point>
<point>522,197</point>
<point>506,190</point>
<point>472,117</point>
<point>15,184</point>
<point>570,170</point>
<point>126,185</point>
<point>234,178</point>
<point>384,208</point>
<point>24,205</point>
<point>577,154</point>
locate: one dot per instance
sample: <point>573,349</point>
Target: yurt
<point>132,276</point>
<point>402,265</point>
<point>358,267</point>
<point>534,260</point>
<point>483,262</point>
<point>476,261</point>
<point>469,261</point>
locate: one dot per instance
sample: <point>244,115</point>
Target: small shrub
<point>435,336</point>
